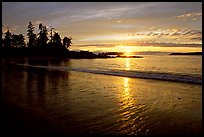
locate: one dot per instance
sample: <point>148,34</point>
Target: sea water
<point>156,94</point>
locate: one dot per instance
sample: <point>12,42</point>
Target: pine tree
<point>31,35</point>
<point>42,39</point>
<point>8,39</point>
<point>57,40</point>
<point>67,42</point>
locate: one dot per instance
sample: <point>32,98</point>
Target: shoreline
<point>67,108</point>
<point>187,53</point>
<point>70,103</point>
<point>49,53</point>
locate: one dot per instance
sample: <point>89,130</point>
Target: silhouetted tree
<point>2,42</point>
<point>42,39</point>
<point>7,39</point>
<point>13,40</point>
<point>50,43</point>
<point>32,37</point>
<point>57,40</point>
<point>18,41</point>
<point>67,42</point>
<point>51,36</point>
<point>59,47</point>
<point>21,41</point>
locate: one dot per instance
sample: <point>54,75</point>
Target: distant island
<point>122,56</point>
<point>118,55</point>
<point>188,53</point>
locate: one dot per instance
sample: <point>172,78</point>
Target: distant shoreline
<point>49,53</point>
<point>119,56</point>
<point>187,53</point>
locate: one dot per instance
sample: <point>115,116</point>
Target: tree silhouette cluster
<point>41,45</point>
<point>38,44</point>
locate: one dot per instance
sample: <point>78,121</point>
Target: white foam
<point>125,73</point>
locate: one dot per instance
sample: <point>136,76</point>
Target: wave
<point>126,73</point>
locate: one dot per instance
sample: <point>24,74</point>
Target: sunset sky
<point>113,26</point>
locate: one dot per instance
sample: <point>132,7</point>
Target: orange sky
<point>118,26</point>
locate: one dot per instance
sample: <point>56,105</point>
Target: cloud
<point>123,26</point>
<point>37,22</point>
<point>178,45</point>
<point>151,43</point>
<point>14,28</point>
<point>97,45</point>
<point>188,34</point>
<point>169,35</point>
<point>97,11</point>
<point>5,28</point>
<point>196,38</point>
<point>193,16</point>
<point>169,32</point>
<point>90,23</point>
<point>151,33</point>
<point>163,44</point>
<point>94,14</point>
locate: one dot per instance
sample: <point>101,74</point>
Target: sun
<point>127,52</point>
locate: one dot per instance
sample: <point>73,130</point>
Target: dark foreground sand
<point>71,103</point>
<point>21,121</point>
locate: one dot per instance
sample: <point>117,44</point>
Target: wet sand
<point>21,121</point>
<point>62,103</point>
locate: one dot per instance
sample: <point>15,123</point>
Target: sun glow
<point>127,50</point>
<point>127,53</point>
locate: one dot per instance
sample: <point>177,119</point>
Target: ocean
<point>153,95</point>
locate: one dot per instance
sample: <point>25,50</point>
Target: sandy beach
<point>64,103</point>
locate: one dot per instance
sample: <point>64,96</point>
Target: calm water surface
<point>106,104</point>
<point>156,63</point>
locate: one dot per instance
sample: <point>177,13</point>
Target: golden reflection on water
<point>126,86</point>
<point>126,105</point>
<point>131,114</point>
<point>127,64</point>
<point>126,97</point>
